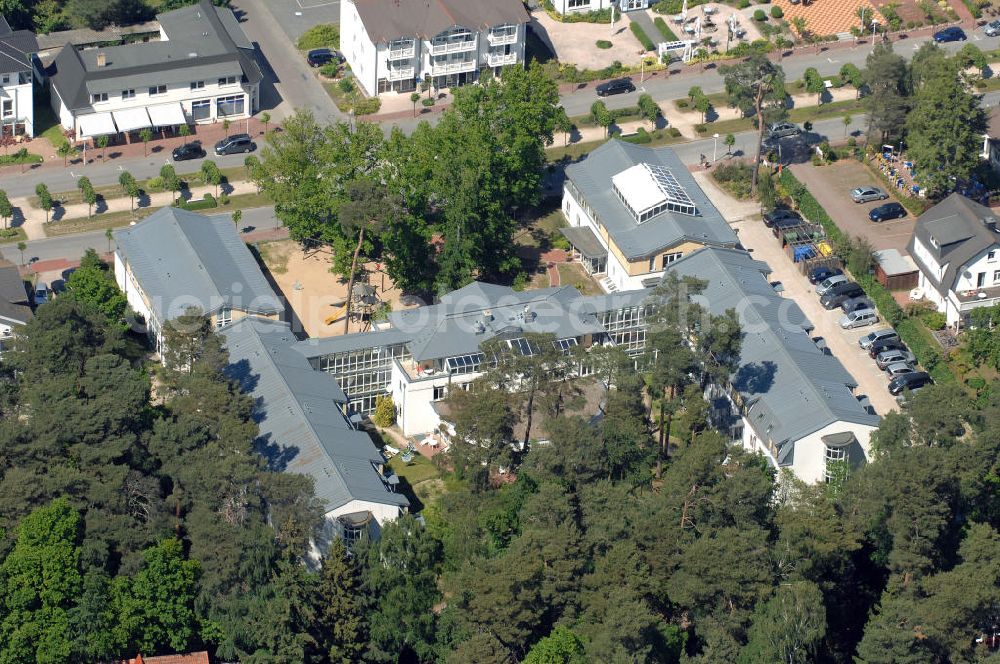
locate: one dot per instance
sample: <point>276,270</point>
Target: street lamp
<point>874,25</point>
<point>715,146</point>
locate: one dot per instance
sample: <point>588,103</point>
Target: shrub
<point>330,69</point>
<point>428,102</point>
<point>604,44</point>
<point>154,184</point>
<point>735,178</point>
<point>320,36</point>
<point>700,128</point>
<point>682,103</point>
<point>367,106</point>
<point>743,4</point>
<point>385,412</point>
<point>223,199</point>
<point>934,320</point>
<point>641,136</point>
<point>346,86</point>
<point>776,12</point>
<point>674,132</point>
<point>641,35</point>
<point>759,15</point>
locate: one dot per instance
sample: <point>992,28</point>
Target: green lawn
<point>577,150</point>
<point>420,469</point>
<point>18,235</point>
<point>799,115</point>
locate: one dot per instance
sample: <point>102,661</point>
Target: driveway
<point>842,343</point>
<point>831,185</point>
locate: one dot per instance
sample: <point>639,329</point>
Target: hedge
<point>910,330</point>
<point>664,29</point>
<point>641,35</point>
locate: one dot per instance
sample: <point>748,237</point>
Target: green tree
<point>850,74</point>
<point>129,187</point>
<point>887,81</point>
<point>562,646</point>
<point>21,246</point>
<point>211,174</point>
<point>94,284</point>
<point>226,123</point>
<point>237,216</point>
<point>650,109</point>
<point>44,199</point>
<point>484,416</point>
<point>600,114</point>
<point>756,86</point>
<point>564,125</point>
<point>945,128</point>
<point>788,628</point>
<point>65,150</point>
<point>87,192</point>
<point>340,615</point>
<point>171,182</point>
<point>814,83</point>
<point>703,105</point>
<point>102,143</point>
<point>385,412</point>
<point>414,98</point>
<point>847,120</point>
<point>145,135</point>
<point>972,56</point>
<point>6,208</point>
<point>729,141</point>
<point>184,130</point>
<point>39,581</point>
<point>155,608</point>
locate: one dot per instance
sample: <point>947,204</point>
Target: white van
<point>859,318</point>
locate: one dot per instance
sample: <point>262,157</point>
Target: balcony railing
<point>400,73</point>
<point>440,48</point>
<point>501,38</point>
<point>501,59</point>
<point>452,67</point>
<point>404,53</point>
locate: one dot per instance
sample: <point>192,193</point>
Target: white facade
<point>454,57</point>
<point>576,6</point>
<point>414,398</point>
<point>16,101</point>
<point>137,299</point>
<point>980,275</point>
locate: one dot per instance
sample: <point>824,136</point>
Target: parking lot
<point>832,184</point>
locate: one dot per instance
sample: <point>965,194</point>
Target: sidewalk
<point>34,219</point>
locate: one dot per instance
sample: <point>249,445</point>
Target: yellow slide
<point>337,315</point>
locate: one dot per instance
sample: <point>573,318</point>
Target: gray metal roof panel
<point>388,19</point>
<point>300,430</point>
<point>319,346</point>
<point>592,177</point>
<point>183,259</point>
<point>583,240</point>
<point>792,387</point>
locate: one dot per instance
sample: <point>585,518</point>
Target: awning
<point>95,124</point>
<point>584,241</point>
<point>131,119</point>
<point>167,115</point>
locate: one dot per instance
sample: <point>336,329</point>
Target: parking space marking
<point>314,5</point>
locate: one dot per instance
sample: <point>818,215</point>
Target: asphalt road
<point>72,247</point>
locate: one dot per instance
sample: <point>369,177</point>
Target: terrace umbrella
<point>684,10</point>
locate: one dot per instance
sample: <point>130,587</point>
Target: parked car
<point>992,29</point>
<point>615,87</point>
<point>887,211</point>
<point>188,151</point>
<point>865,194</point>
<point>950,34</point>
<point>897,368</point>
<point>781,215</point>
<point>883,345</point>
<point>822,273</point>
<point>856,303</point>
<point>909,381</point>
<point>878,335</point>
<point>321,56</point>
<point>859,318</point>
<point>836,295</point>
<point>782,129</point>
<point>830,282</point>
<point>887,357</point>
<point>41,293</point>
<point>235,144</point>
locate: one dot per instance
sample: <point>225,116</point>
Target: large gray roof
<point>592,177</point>
<point>319,346</point>
<point>793,387</point>
<point>14,303</point>
<point>389,19</point>
<point>459,323</point>
<point>183,259</point>
<point>954,232</point>
<point>302,429</point>
<point>16,47</point>
<point>203,41</point>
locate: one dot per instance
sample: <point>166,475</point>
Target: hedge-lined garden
<point>641,35</point>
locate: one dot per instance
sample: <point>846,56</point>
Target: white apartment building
<point>576,6</point>
<point>201,70</point>
<point>17,77</point>
<point>394,45</point>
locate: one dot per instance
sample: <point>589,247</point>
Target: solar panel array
<point>672,190</point>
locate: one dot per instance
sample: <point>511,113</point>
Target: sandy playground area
<point>314,294</point>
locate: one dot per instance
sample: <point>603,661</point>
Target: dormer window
<point>991,255</point>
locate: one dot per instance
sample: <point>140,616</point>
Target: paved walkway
<point>34,219</point>
<point>552,259</point>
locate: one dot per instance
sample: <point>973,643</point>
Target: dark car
<point>840,293</point>
<point>322,56</point>
<point>780,217</point>
<point>950,34</point>
<point>887,211</point>
<point>908,381</point>
<point>615,87</point>
<point>820,274</point>
<point>856,303</point>
<point>883,345</point>
<point>235,144</point>
<point>783,129</point>
<point>188,151</point>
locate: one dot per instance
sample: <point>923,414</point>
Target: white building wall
<point>809,462</point>
<point>21,94</point>
<point>982,264</point>
<point>414,399</point>
<point>358,48</point>
<point>135,296</point>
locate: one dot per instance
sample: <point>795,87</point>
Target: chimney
<point>102,60</point>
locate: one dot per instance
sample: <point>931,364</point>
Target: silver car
<point>896,368</point>
<point>887,357</point>
<point>865,194</point>
<point>783,129</point>
<point>992,29</point>
<point>829,283</point>
<point>870,338</point>
<point>859,318</point>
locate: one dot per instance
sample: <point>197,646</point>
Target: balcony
<point>501,59</point>
<point>403,52</point>
<point>457,46</point>
<point>502,38</point>
<point>452,67</point>
<point>400,73</point>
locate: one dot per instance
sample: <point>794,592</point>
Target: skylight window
<point>648,190</point>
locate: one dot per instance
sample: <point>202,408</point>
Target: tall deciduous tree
<point>788,628</point>
<point>93,283</point>
<point>44,199</point>
<point>887,81</point>
<point>756,86</point>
